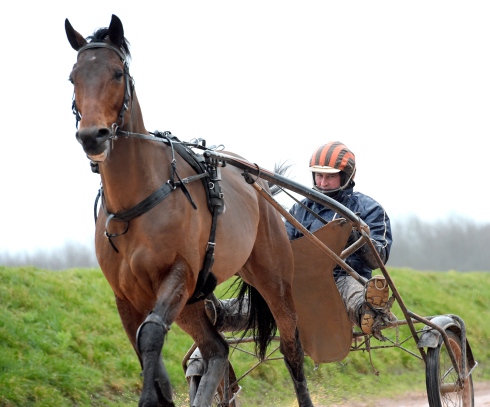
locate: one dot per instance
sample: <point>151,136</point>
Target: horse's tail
<point>280,168</point>
<point>261,323</point>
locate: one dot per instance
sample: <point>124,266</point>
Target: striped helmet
<point>334,157</point>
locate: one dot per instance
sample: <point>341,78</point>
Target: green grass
<point>62,344</point>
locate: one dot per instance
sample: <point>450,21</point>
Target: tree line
<point>450,244</point>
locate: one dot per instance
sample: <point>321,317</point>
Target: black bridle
<point>128,93</point>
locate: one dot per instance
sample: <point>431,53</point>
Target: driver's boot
<point>227,315</point>
<point>374,313</point>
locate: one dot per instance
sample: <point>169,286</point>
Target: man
<point>333,168</point>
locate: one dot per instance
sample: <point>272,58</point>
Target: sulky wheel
<point>443,389</point>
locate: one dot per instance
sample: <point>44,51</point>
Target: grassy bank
<point>62,344</point>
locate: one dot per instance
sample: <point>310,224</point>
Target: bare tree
<point>70,255</point>
<point>449,244</point>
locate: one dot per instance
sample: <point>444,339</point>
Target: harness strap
<point>146,204</point>
<point>206,281</point>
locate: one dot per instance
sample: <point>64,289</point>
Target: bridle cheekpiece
<point>127,77</point>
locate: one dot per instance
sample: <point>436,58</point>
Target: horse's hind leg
<point>290,345</point>
<point>275,286</point>
<point>293,358</point>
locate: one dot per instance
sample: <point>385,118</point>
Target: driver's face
<point>327,182</point>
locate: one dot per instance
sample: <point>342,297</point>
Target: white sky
<point>406,85</point>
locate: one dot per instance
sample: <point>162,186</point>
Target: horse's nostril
<point>103,134</point>
<point>92,137</point>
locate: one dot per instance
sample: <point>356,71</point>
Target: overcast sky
<point>406,85</point>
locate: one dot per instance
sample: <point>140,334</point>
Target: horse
<point>159,245</point>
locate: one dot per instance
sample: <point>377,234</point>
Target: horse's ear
<point>116,31</point>
<point>76,40</point>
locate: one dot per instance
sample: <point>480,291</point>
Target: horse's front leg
<point>214,351</point>
<point>157,390</point>
<point>172,295</point>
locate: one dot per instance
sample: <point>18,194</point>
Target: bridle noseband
<point>128,93</point>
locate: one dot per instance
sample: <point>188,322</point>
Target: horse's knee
<point>151,334</point>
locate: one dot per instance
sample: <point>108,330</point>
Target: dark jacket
<point>370,211</point>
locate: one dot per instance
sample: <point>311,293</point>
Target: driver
<point>333,168</point>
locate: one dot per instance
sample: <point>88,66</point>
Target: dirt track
<point>482,399</point>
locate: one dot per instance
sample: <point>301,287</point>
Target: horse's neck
<point>134,168</point>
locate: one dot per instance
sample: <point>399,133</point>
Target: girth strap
<point>206,281</point>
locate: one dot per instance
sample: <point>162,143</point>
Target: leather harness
<point>208,172</point>
<point>210,177</point>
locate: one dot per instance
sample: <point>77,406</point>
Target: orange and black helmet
<point>334,157</point>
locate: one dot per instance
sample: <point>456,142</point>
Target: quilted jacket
<point>370,211</point>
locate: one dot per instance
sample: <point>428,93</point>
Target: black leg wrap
<point>154,319</point>
<point>157,390</point>
<point>164,385</point>
<point>301,388</point>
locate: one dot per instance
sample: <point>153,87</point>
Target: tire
<point>218,400</point>
<point>441,378</point>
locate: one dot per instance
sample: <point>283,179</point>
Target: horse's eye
<point>118,75</point>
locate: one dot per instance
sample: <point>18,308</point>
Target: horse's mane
<point>101,36</point>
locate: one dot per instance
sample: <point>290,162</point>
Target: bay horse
<point>152,240</point>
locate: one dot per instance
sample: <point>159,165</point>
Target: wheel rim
<point>451,393</point>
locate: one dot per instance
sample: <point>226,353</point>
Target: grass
<point>62,344</point>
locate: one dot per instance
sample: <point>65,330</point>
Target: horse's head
<point>102,86</point>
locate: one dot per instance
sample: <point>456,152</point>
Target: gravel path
<point>482,399</point>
